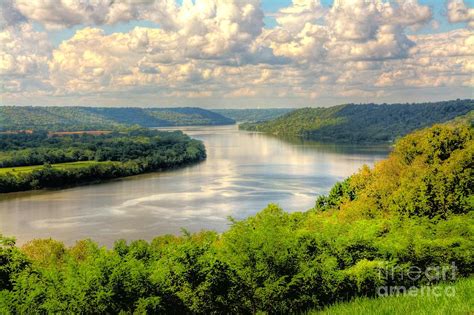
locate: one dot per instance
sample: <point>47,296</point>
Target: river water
<point>243,172</point>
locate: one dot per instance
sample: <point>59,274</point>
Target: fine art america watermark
<point>415,274</point>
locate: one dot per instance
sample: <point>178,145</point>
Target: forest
<point>363,123</point>
<point>253,114</point>
<point>412,209</point>
<point>104,156</point>
<point>71,118</point>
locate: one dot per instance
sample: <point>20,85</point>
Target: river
<point>243,172</point>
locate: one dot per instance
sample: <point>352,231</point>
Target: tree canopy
<point>252,114</point>
<point>54,118</point>
<point>75,158</point>
<point>353,123</point>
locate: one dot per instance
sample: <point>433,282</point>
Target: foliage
<point>368,232</point>
<point>188,116</point>
<point>253,114</point>
<point>54,118</point>
<point>74,159</point>
<point>429,173</point>
<point>361,123</point>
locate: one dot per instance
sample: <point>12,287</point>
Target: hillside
<point>253,114</point>
<point>458,300</point>
<point>52,118</point>
<point>362,123</point>
<point>188,116</point>
<point>92,118</point>
<point>413,209</point>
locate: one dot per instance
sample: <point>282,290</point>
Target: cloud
<point>219,50</point>
<point>55,14</point>
<point>207,28</point>
<point>349,30</point>
<point>242,92</point>
<point>23,58</point>
<point>197,38</point>
<point>458,12</point>
<point>9,15</point>
<point>361,20</point>
<point>91,61</point>
<point>294,17</point>
<point>437,60</point>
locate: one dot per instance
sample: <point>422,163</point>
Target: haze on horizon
<point>235,53</point>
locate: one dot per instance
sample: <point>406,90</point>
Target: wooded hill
<point>96,118</point>
<point>361,123</point>
<point>253,114</point>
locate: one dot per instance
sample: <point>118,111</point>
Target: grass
<point>64,166</point>
<point>459,302</point>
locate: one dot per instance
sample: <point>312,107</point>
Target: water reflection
<point>243,172</point>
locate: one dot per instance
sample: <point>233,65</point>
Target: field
<point>64,166</point>
<point>88,132</point>
<point>457,301</point>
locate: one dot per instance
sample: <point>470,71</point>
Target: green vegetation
<point>37,160</point>
<point>453,298</point>
<point>52,118</point>
<point>414,209</point>
<point>361,123</point>
<point>62,166</point>
<point>253,114</point>
<point>188,116</point>
<point>70,118</point>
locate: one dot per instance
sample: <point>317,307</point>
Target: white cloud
<point>458,12</point>
<point>23,58</point>
<point>294,17</point>
<point>215,49</point>
<point>212,28</point>
<point>207,28</point>
<point>54,14</point>
<point>352,29</point>
<point>437,60</point>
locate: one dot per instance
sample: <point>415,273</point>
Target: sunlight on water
<point>243,173</point>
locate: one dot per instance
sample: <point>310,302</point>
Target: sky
<point>234,53</point>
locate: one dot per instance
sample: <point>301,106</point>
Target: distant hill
<point>253,114</point>
<point>90,118</point>
<point>361,123</point>
<point>52,118</point>
<point>186,116</point>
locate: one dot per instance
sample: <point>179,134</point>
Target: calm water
<point>243,173</point>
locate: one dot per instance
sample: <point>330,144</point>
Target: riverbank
<point>36,161</point>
